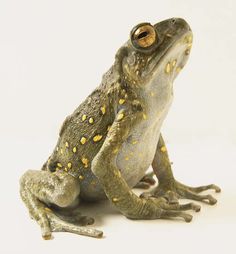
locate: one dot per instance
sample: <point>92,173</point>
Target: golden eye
<point>144,36</point>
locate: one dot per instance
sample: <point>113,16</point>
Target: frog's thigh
<point>61,190</point>
<point>39,188</point>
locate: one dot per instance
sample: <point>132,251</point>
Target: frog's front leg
<point>169,187</point>
<point>105,168</point>
<point>42,189</point>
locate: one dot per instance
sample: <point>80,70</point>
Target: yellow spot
<point>144,116</point>
<point>47,209</point>
<point>134,142</point>
<point>83,140</point>
<point>178,69</point>
<point>61,151</point>
<point>97,138</point>
<point>85,161</point>
<point>120,116</point>
<point>67,144</point>
<point>174,63</point>
<point>152,94</point>
<point>189,39</point>
<point>109,127</point>
<point>84,117</point>
<point>121,101</point>
<point>103,109</point>
<point>163,149</point>
<point>115,151</point>
<point>115,200</point>
<point>59,165</point>
<point>66,169</point>
<point>127,158</point>
<point>91,120</point>
<point>74,149</point>
<point>57,149</point>
<point>118,173</point>
<point>81,177</point>
<point>168,68</point>
<point>69,165</point>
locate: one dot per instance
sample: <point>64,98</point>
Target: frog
<point>106,146</point>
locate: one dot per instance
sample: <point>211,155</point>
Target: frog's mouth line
<point>156,60</point>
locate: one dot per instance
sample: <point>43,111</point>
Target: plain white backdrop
<point>53,54</point>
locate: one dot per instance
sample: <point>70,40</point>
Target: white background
<point>53,54</point>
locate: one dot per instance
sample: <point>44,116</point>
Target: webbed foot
<point>159,208</point>
<point>49,222</point>
<point>175,190</point>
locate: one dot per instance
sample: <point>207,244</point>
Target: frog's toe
<point>168,214</point>
<point>85,220</point>
<point>170,196</point>
<point>146,182</point>
<point>183,207</point>
<point>204,188</point>
<point>75,218</point>
<point>209,199</point>
<point>193,192</point>
<point>169,211</point>
<point>44,225</point>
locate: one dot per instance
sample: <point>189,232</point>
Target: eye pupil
<point>142,35</point>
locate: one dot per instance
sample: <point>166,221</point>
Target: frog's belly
<point>133,160</point>
<point>137,154</point>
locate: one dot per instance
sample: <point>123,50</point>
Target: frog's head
<point>155,52</point>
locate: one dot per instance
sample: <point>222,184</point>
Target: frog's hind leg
<point>42,189</point>
<point>168,187</point>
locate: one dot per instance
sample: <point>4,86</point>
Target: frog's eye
<point>144,36</point>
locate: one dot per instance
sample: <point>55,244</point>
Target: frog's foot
<point>74,217</point>
<point>49,222</point>
<point>176,190</point>
<point>193,192</point>
<point>165,210</point>
<point>146,182</point>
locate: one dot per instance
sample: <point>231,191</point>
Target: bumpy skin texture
<point>107,144</point>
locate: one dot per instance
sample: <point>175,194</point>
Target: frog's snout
<point>179,24</point>
<point>173,26</point>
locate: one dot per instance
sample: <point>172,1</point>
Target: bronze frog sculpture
<point>107,144</point>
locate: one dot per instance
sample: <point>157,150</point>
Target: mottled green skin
<point>104,157</point>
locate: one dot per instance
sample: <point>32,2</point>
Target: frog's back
<point>80,139</point>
